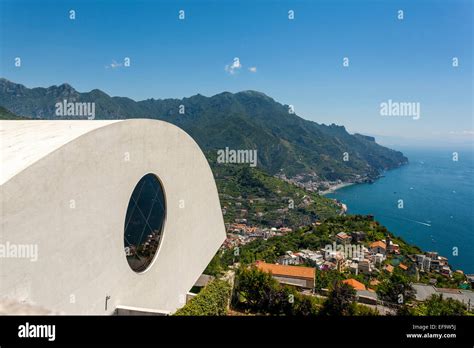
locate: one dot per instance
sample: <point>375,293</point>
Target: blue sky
<point>296,62</point>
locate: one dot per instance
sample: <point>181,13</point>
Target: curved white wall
<point>71,197</point>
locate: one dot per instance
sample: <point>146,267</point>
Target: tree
<point>254,289</point>
<point>260,292</point>
<point>396,289</point>
<point>325,279</point>
<point>212,300</point>
<point>214,267</point>
<point>405,310</point>
<point>340,300</point>
<point>436,305</point>
<point>305,305</point>
<point>363,310</point>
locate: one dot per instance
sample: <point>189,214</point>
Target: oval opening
<point>144,222</point>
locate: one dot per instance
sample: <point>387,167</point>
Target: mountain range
<point>286,143</point>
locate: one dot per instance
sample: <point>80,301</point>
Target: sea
<point>428,202</point>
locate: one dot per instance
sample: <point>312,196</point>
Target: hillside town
<point>239,234</point>
<point>303,240</point>
<point>313,183</point>
<point>362,263</point>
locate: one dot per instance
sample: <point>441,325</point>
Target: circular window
<point>144,222</point>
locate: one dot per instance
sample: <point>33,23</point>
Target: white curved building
<point>65,190</point>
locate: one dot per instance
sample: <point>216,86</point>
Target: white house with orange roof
<point>378,247</point>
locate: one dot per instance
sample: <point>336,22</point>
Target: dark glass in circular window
<point>144,222</point>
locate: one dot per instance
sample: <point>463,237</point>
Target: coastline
<point>334,188</point>
<point>426,240</point>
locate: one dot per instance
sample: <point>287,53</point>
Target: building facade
<point>66,190</point>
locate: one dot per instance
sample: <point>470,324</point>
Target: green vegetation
<point>327,279</point>
<point>265,200</point>
<point>258,292</point>
<point>363,310</point>
<point>436,305</point>
<point>396,288</point>
<point>445,282</point>
<point>215,267</point>
<point>341,300</point>
<point>8,115</point>
<point>212,300</point>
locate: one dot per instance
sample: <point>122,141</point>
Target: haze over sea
<point>438,196</point>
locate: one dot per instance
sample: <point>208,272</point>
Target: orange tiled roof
<point>389,268</point>
<point>374,282</point>
<point>342,235</point>
<point>378,243</point>
<point>239,226</point>
<point>288,271</point>
<point>403,266</point>
<point>354,283</point>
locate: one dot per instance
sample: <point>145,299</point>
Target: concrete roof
<point>423,292</point>
<point>24,142</point>
<point>367,293</point>
<point>203,280</point>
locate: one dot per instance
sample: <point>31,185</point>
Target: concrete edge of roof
<point>5,177</point>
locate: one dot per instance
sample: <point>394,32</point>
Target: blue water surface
<point>438,196</point>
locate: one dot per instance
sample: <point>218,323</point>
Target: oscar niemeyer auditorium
<point>122,214</point>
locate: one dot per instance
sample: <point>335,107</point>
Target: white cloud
<point>114,65</point>
<point>234,67</point>
<point>253,69</point>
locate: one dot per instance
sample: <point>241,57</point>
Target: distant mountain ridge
<point>244,120</point>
